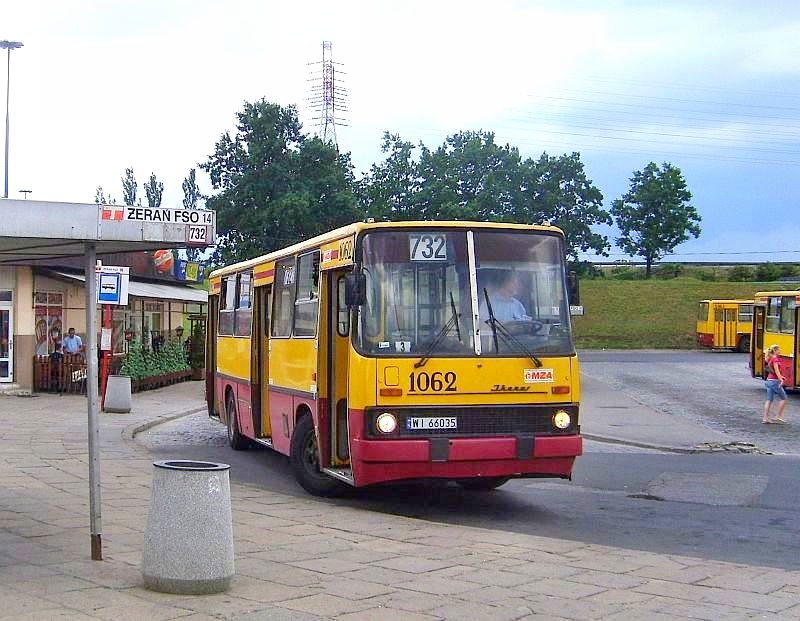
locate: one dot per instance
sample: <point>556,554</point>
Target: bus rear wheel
<point>304,458</point>
<point>744,344</point>
<point>483,484</point>
<point>237,441</point>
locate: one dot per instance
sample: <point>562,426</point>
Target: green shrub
<point>741,273</point>
<point>586,270</point>
<point>134,364</point>
<point>197,355</point>
<point>706,275</point>
<point>627,273</point>
<point>766,272</point>
<point>668,270</point>
<point>787,271</point>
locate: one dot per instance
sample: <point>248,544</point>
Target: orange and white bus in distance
<point>380,352</point>
<point>775,322</point>
<point>725,324</point>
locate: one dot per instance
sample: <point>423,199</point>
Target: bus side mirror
<point>574,295</point>
<point>355,289</point>
<point>574,291</point>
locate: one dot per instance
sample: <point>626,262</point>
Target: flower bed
<point>154,369</point>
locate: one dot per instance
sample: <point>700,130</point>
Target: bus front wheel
<point>304,458</point>
<point>237,441</point>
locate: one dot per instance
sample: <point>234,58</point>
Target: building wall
<point>24,337</point>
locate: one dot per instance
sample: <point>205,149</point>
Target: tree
<point>389,191</point>
<point>100,197</point>
<point>654,216</point>
<point>191,193</point>
<point>191,197</point>
<point>275,185</point>
<point>129,187</point>
<point>154,190</point>
<point>471,177</point>
<point>559,191</point>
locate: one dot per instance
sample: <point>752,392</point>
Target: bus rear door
<point>725,325</point>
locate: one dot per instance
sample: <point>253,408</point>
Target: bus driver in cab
<point>503,294</point>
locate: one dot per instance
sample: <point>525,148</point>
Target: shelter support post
<point>93,400</point>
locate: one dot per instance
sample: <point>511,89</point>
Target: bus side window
<point>307,300</point>
<point>745,313</point>
<point>773,313</point>
<point>283,298</point>
<point>244,306</point>
<point>788,305</point>
<point>227,306</point>
<point>342,312</point>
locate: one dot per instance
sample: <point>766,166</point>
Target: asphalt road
<point>732,507</point>
<point>712,388</point>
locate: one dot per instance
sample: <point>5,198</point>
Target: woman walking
<point>774,385</point>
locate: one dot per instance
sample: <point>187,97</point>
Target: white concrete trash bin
<point>118,394</point>
<point>188,540</point>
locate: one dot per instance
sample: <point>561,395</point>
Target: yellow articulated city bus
<point>725,324</point>
<point>385,351</point>
<point>775,323</point>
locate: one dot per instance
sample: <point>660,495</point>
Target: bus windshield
<point>425,288</point>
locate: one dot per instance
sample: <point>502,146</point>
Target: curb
<point>647,445</point>
<point>130,432</point>
<point>706,447</point>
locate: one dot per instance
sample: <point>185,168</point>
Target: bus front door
<point>757,347</point>
<point>338,350</point>
<point>260,360</point>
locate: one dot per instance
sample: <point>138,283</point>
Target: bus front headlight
<point>386,422</point>
<point>561,419</point>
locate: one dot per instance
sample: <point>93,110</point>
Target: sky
<point>711,87</point>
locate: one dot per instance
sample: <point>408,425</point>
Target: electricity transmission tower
<point>328,96</point>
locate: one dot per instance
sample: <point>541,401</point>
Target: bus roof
<point>783,293</point>
<point>738,301</point>
<point>357,227</point>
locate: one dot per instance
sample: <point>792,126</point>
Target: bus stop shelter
<point>34,230</point>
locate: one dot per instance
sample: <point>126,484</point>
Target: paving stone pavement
<point>301,560</point>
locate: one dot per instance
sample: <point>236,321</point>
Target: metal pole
<point>8,46</point>
<point>93,398</point>
<point>8,95</point>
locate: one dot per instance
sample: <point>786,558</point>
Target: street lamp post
<point>8,45</point>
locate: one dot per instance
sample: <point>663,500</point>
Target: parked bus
<point>725,324</point>
<point>378,352</point>
<point>775,323</point>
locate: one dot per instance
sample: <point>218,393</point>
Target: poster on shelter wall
<point>188,271</point>
<point>48,328</point>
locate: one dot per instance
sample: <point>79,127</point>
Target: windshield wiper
<point>455,317</point>
<point>498,328</point>
<point>492,320</point>
<point>452,322</point>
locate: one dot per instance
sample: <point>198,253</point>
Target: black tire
<point>304,458</point>
<point>483,484</point>
<point>237,441</point>
<point>744,344</point>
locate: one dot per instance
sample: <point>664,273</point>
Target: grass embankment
<point>632,314</point>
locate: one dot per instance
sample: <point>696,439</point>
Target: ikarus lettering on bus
<point>538,376</point>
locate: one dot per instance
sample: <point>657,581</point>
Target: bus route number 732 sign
<point>197,234</point>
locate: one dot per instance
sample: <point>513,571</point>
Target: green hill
<point>655,313</point>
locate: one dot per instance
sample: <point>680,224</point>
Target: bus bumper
<point>374,461</point>
<point>705,340</point>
